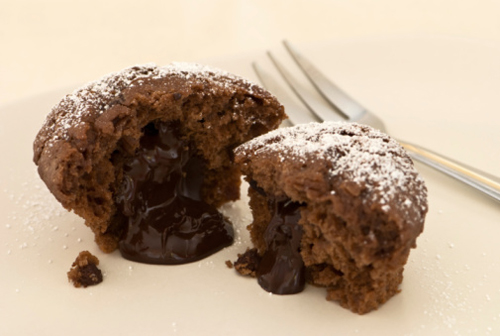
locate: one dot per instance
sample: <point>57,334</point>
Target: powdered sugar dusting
<point>357,153</point>
<point>74,111</point>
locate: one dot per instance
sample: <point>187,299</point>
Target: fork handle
<point>488,184</point>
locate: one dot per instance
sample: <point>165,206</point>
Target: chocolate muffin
<point>145,157</point>
<point>336,205</point>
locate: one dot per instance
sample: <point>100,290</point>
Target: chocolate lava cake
<point>336,205</point>
<point>145,156</point>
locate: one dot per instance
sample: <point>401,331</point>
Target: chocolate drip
<point>281,269</point>
<point>168,222</point>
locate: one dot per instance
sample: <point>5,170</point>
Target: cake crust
<point>87,136</point>
<point>364,205</point>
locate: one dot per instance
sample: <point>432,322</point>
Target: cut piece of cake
<point>336,205</point>
<point>145,156</point>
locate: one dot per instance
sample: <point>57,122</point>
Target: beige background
<point>46,45</point>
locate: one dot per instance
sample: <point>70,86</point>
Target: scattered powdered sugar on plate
<point>33,218</point>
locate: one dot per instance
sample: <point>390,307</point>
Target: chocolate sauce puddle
<point>281,269</point>
<point>168,223</point>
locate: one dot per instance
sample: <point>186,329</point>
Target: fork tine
<point>296,113</point>
<point>316,106</point>
<point>332,94</point>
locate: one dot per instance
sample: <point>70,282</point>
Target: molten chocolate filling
<point>168,222</point>
<point>281,269</point>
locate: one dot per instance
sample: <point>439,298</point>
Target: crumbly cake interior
<point>90,135</point>
<point>363,206</point>
<point>84,271</point>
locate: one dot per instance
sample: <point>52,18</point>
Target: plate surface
<point>437,92</point>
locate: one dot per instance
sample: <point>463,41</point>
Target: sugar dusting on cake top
<point>355,152</point>
<point>72,110</point>
<point>107,87</point>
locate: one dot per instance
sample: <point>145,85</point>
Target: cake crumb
<point>248,263</point>
<point>84,271</point>
<point>229,264</point>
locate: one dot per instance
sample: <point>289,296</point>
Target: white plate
<point>438,92</point>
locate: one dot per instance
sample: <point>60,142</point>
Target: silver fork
<point>341,106</point>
